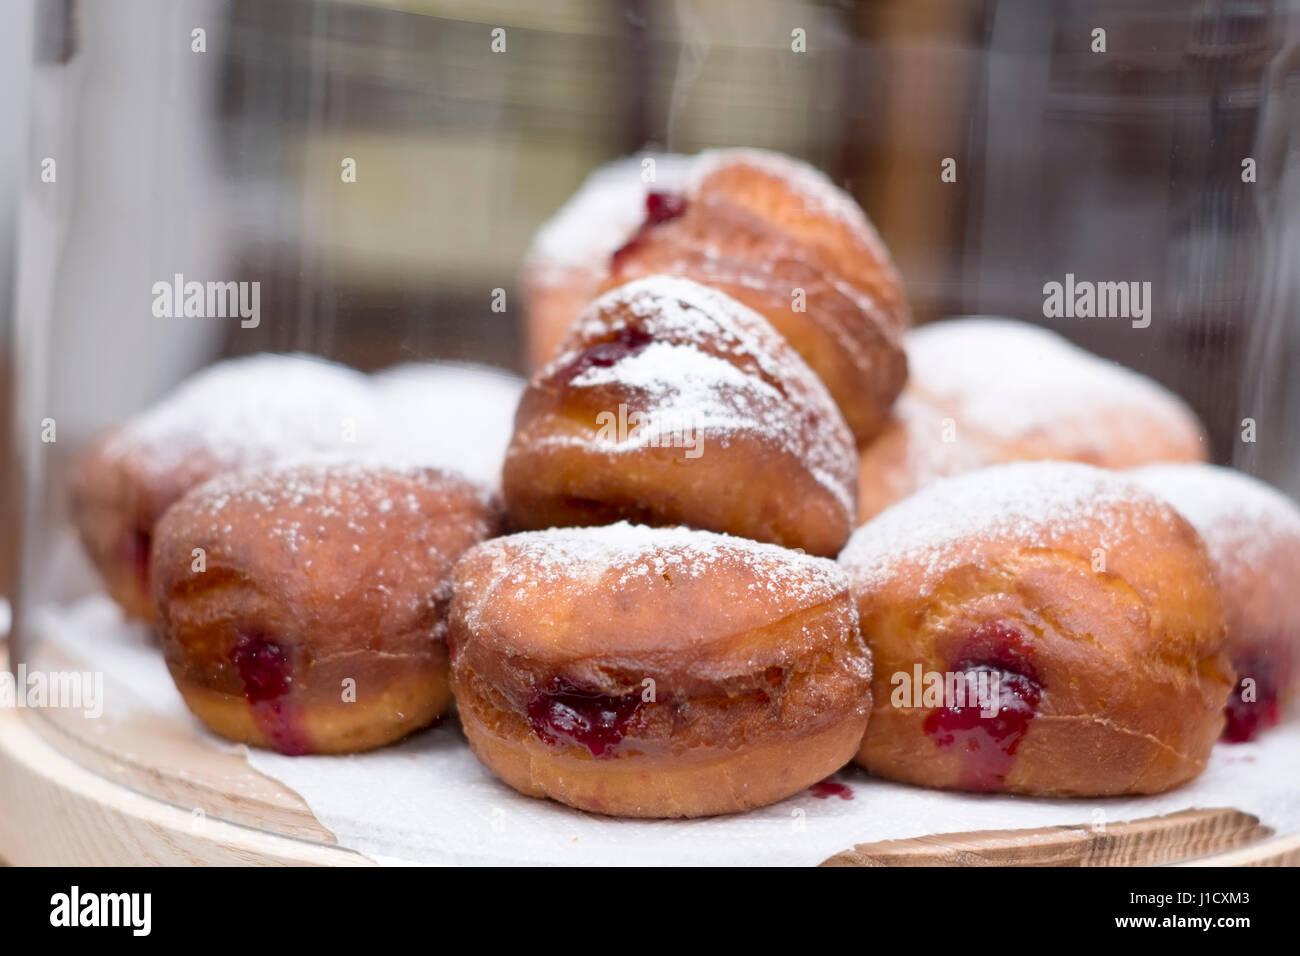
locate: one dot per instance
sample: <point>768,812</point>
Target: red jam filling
<point>566,714</point>
<point>265,671</point>
<point>627,341</point>
<point>825,789</point>
<point>660,207</point>
<point>1247,718</point>
<point>987,745</point>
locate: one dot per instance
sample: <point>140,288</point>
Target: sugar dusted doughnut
<point>672,404</point>
<point>239,413</point>
<point>1084,599</point>
<point>987,390</point>
<point>1252,532</point>
<point>656,672</point>
<point>314,576</point>
<point>771,232</point>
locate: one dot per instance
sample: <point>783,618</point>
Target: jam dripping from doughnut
<point>263,667</point>
<point>1245,719</point>
<point>825,789</point>
<point>987,745</point>
<point>660,207</point>
<point>627,341</point>
<point>568,714</point>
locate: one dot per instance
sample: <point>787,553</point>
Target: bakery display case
<point>447,432</point>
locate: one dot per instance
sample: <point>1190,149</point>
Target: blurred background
<point>224,163</point>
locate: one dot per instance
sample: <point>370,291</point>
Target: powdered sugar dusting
<point>536,562</point>
<point>253,408</point>
<point>927,457</point>
<point>1024,504</point>
<point>1012,379</point>
<point>283,408</point>
<point>315,511</point>
<point>1240,518</point>
<point>352,491</point>
<point>721,368</point>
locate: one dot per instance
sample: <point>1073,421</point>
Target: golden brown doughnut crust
<point>312,576</point>
<point>240,413</point>
<point>713,674</point>
<point>1092,599</point>
<point>768,230</point>
<point>984,390</point>
<point>667,399</point>
<point>1252,534</point>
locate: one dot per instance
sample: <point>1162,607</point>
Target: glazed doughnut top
<point>706,589</point>
<point>709,364</point>
<point>1024,505</point>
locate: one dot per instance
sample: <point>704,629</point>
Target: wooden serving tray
<point>141,792</point>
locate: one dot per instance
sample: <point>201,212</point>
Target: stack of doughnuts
<point>772,233</point>
<point>665,611</point>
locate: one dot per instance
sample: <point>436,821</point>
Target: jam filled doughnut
<point>313,618</point>
<point>656,672</point>
<point>238,413</point>
<point>1077,610</point>
<point>767,230</point>
<point>982,391</point>
<point>673,404</point>
<point>568,260</point>
<point>1252,533</point>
